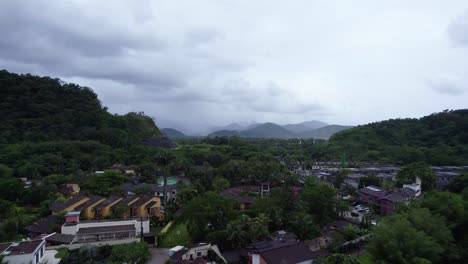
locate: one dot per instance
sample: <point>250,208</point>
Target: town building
<point>246,194</point>
<point>199,253</point>
<point>29,251</point>
<point>279,252</point>
<point>89,231</point>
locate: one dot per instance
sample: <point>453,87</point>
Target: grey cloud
<point>201,36</point>
<point>458,30</point>
<point>445,85</point>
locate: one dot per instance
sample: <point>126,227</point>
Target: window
<point>198,254</point>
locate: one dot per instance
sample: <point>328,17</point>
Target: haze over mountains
<point>307,129</point>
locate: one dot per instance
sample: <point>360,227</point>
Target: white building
<point>30,251</point>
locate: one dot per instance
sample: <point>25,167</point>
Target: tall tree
<point>410,172</point>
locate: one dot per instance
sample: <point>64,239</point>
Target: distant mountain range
<point>310,129</point>
<point>173,133</point>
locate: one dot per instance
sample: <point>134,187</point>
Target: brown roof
<point>105,229</point>
<point>143,199</point>
<point>90,202</point>
<point>61,205</point>
<point>23,247</point>
<point>125,201</point>
<point>109,200</point>
<point>240,193</point>
<point>4,246</point>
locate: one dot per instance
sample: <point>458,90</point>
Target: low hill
<point>305,126</point>
<point>323,132</point>
<point>439,139</point>
<point>37,109</point>
<point>224,133</point>
<point>267,130</point>
<point>173,133</point>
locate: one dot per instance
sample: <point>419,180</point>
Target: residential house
<point>30,251</point>
<point>279,252</point>
<point>41,226</point>
<point>104,209</point>
<point>389,202</point>
<point>123,206</point>
<point>146,206</point>
<point>68,205</point>
<point>87,208</point>
<point>246,194</point>
<point>199,253</point>
<point>156,189</point>
<point>69,188</point>
<point>371,195</point>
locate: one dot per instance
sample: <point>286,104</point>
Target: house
<point>158,190</point>
<point>88,231</point>
<point>391,199</point>
<point>41,226</point>
<point>30,251</point>
<point>246,194</point>
<point>104,209</point>
<point>279,252</point>
<point>199,253</point>
<point>371,195</point>
<point>68,205</point>
<point>87,208</point>
<point>123,206</point>
<point>147,206</point>
<point>69,188</point>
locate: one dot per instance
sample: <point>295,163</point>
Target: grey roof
<point>105,229</point>
<point>282,252</point>
<point>42,225</point>
<point>373,191</point>
<point>60,238</point>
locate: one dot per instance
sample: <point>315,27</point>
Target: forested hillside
<point>439,139</point>
<point>51,127</point>
<point>37,109</point>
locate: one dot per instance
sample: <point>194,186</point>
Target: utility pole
<point>141,229</point>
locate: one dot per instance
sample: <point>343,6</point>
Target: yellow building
<point>147,206</point>
<point>86,208</point>
<point>126,204</point>
<point>104,209</point>
<point>68,205</point>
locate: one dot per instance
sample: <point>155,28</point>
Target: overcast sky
<point>194,64</point>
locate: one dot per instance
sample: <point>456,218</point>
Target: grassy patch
<point>365,259</point>
<point>176,236</point>
<point>62,252</point>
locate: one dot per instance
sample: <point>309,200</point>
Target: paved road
<point>158,255</point>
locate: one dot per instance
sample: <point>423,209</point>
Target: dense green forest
<point>37,109</point>
<point>438,139</point>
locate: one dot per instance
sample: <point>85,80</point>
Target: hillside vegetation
<point>48,126</point>
<point>439,139</point>
<point>37,109</point>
